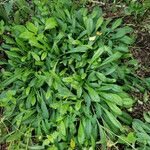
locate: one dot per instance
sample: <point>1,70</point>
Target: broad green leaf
<point>93,94</point>
<point>130,138</point>
<point>64,91</point>
<point>33,100</point>
<point>113,119</point>
<point>35,56</point>
<point>99,23</point>
<point>17,17</point>
<point>96,55</point>
<point>126,40</point>
<point>72,144</point>
<point>79,92</point>
<point>121,49</point>
<point>81,135</point>
<point>26,35</point>
<point>126,118</point>
<point>101,76</point>
<point>31,27</point>
<point>98,109</point>
<point>87,99</point>
<point>15,136</point>
<point>82,48</point>
<point>62,128</point>
<point>36,147</point>
<point>122,32</point>
<point>8,6</point>
<point>88,128</point>
<point>2,27</point>
<point>9,80</point>
<point>89,25</point>
<point>28,90</point>
<point>128,102</point>
<point>45,112</point>
<point>97,12</point>
<point>116,23</point>
<point>114,98</point>
<point>111,58</point>
<point>34,42</point>
<point>78,105</point>
<point>44,54</point>
<point>12,54</point>
<point>147,116</point>
<point>114,108</point>
<point>50,23</point>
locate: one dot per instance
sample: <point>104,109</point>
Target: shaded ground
<point>141,52</point>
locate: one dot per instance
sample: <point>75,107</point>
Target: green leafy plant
<point>61,84</point>
<point>142,130</point>
<point>137,8</point>
<point>16,11</point>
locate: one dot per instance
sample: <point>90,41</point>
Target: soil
<point>142,53</point>
<point>3,147</point>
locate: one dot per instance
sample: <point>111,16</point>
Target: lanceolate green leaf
<point>111,58</point>
<point>116,23</point>
<point>35,56</point>
<point>93,94</point>
<point>50,23</point>
<point>114,98</point>
<point>44,109</point>
<point>96,55</point>
<point>31,27</point>
<point>81,134</point>
<point>113,119</point>
<point>99,23</point>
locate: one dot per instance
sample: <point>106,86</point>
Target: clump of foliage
<point>137,8</point>
<point>63,82</point>
<point>16,11</point>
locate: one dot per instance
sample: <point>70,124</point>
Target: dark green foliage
<point>63,83</point>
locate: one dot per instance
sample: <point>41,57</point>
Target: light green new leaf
<point>33,100</point>
<point>99,23</point>
<point>114,108</point>
<point>93,94</point>
<point>128,102</point>
<point>26,35</point>
<point>44,54</point>
<point>50,23</point>
<point>101,76</point>
<point>31,27</point>
<point>35,56</point>
<point>28,90</point>
<point>81,49</point>
<point>114,98</point>
<point>78,105</point>
<point>96,55</point>
<point>62,128</point>
<point>14,136</point>
<point>113,119</point>
<point>116,23</point>
<point>81,135</point>
<point>89,25</point>
<point>12,54</point>
<point>64,91</point>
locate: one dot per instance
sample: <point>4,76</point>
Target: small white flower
<point>92,38</point>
